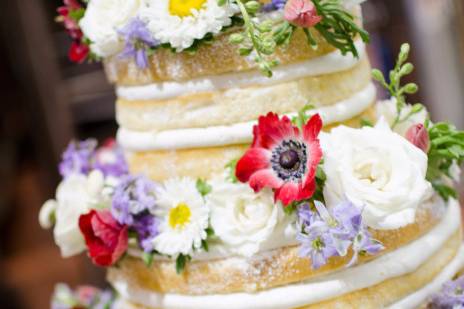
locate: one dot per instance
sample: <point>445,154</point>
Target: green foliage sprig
<point>338,27</point>
<point>396,90</point>
<point>446,142</point>
<point>257,37</point>
<point>446,149</point>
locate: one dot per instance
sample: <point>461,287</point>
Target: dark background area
<point>46,101</point>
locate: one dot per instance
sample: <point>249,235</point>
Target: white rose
<point>378,170</point>
<point>243,220</point>
<point>103,19</point>
<point>76,195</point>
<point>387,110</point>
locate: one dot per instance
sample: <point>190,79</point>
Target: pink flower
<point>106,239</point>
<point>301,13</point>
<point>419,137</point>
<point>282,158</point>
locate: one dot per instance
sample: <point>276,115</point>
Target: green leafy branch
<point>256,37</point>
<point>338,27</point>
<point>396,90</point>
<point>446,149</point>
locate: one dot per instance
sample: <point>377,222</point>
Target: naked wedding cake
<point>253,166</point>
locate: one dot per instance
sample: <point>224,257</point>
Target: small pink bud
<point>419,137</point>
<point>301,13</point>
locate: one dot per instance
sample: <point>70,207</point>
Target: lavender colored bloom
<point>110,160</point>
<point>274,5</point>
<point>147,228</point>
<point>138,38</point>
<point>364,244</point>
<point>451,295</point>
<point>133,196</point>
<point>77,158</point>
<point>324,234</point>
<point>317,243</point>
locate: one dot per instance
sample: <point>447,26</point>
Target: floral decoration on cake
<point>136,28</point>
<point>83,297</point>
<point>451,295</point>
<point>295,185</point>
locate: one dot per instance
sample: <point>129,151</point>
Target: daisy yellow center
<point>179,216</point>
<point>183,8</point>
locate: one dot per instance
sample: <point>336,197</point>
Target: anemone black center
<point>288,160</point>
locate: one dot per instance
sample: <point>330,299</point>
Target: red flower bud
<point>301,13</point>
<point>78,52</point>
<point>419,137</point>
<point>106,239</point>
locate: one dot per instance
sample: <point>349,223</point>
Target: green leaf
<point>209,232</point>
<point>203,187</point>
<point>204,245</point>
<point>148,258</point>
<point>231,167</point>
<point>366,123</point>
<point>338,27</point>
<point>181,262</point>
<point>445,191</point>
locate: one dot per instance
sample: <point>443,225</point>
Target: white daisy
<point>184,217</point>
<point>180,22</point>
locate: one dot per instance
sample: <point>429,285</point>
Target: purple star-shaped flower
<point>147,228</point>
<point>323,234</point>
<point>137,39</point>
<point>451,295</point>
<point>77,158</point>
<point>133,196</point>
<point>317,243</point>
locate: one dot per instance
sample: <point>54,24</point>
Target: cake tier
<point>241,97</point>
<point>417,261</point>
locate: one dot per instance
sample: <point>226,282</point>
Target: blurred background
<point>46,101</point>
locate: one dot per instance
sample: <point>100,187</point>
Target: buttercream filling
<point>235,134</point>
<point>393,264</point>
<point>330,63</point>
<point>421,296</point>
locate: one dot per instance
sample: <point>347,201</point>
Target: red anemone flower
<point>282,158</point>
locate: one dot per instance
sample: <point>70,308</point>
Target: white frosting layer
<point>330,63</point>
<point>234,134</point>
<point>421,296</point>
<point>397,263</point>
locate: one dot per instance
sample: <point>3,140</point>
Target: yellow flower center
<point>183,8</point>
<point>179,216</point>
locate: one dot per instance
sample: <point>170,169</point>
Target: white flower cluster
<point>175,22</point>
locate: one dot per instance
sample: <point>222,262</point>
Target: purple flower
<point>317,243</point>
<point>323,234</point>
<point>147,228</point>
<point>364,244</point>
<point>138,38</point>
<point>109,159</point>
<point>450,296</point>
<point>133,196</point>
<point>274,5</point>
<point>77,158</point>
